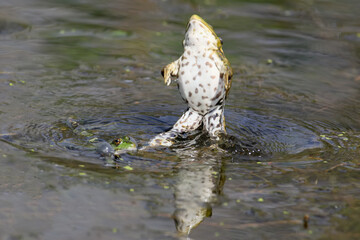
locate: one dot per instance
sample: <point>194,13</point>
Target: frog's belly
<point>201,87</point>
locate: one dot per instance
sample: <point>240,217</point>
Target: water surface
<point>292,116</point>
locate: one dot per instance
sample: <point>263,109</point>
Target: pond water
<point>293,119</point>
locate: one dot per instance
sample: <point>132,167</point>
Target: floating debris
<point>93,140</point>
<point>306,221</point>
<point>86,134</point>
<point>119,33</point>
<point>128,168</point>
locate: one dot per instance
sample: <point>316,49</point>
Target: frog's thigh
<point>214,121</point>
<point>189,121</point>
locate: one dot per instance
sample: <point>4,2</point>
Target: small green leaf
<point>119,33</point>
<point>128,168</point>
<point>93,140</point>
<point>86,134</point>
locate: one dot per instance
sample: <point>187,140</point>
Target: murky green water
<point>293,115</point>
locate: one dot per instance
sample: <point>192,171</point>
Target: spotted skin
<point>204,79</point>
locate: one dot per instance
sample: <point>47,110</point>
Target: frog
<point>122,145</point>
<point>113,148</point>
<point>203,75</point>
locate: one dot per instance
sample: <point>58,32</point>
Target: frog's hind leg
<point>189,121</point>
<point>214,121</point>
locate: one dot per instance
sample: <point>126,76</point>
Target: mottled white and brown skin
<point>204,80</point>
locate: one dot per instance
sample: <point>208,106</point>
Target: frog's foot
<point>188,122</point>
<point>170,70</point>
<point>163,139</point>
<point>214,122</point>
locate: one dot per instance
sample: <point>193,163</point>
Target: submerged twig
<point>256,225</point>
<point>7,134</point>
<point>264,179</point>
<point>336,166</point>
<point>306,221</point>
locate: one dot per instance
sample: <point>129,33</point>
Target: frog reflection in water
<point>204,79</point>
<point>196,188</point>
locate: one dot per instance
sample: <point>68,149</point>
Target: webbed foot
<point>169,71</point>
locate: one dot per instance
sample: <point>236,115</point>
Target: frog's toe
<point>161,140</point>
